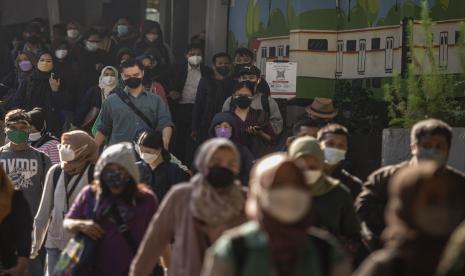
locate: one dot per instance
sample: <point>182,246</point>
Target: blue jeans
<point>53,254</point>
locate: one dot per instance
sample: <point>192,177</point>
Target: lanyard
<point>73,187</point>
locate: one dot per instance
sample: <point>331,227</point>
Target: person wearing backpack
<point>156,167</point>
<point>279,239</point>
<point>260,100</point>
<point>114,212</point>
<point>254,129</point>
<point>78,154</point>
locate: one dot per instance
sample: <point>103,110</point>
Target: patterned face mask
<point>115,178</point>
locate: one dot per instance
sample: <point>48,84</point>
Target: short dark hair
<point>220,55</point>
<point>305,123</point>
<point>243,52</point>
<point>243,84</point>
<point>91,32</point>
<point>430,127</point>
<point>332,129</point>
<point>131,63</point>
<point>17,116</point>
<point>194,46</point>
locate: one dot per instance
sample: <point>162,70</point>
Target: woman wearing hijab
<point>152,38</point>
<point>115,210</point>
<point>78,154</point>
<point>44,90</point>
<point>15,229</point>
<point>41,139</point>
<point>90,105</point>
<point>424,208</point>
<point>332,201</point>
<point>156,169</point>
<point>223,125</point>
<point>278,240</point>
<point>196,213</point>
<point>66,69</point>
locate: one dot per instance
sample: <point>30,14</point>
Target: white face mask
<point>108,80</point>
<point>33,137</point>
<point>91,46</point>
<point>194,60</point>
<point>60,54</point>
<point>312,176</point>
<point>149,158</point>
<point>72,33</point>
<point>333,156</point>
<point>151,37</point>
<point>288,205</point>
<point>67,154</point>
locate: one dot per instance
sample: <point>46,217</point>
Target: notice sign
<point>282,78</point>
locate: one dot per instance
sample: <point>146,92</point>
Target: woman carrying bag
<point>114,212</point>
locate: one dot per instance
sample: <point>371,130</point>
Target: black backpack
<point>240,252</point>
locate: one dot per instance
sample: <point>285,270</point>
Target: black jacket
<point>88,73</point>
<point>372,201</point>
<point>209,100</point>
<point>178,76</point>
<point>352,182</point>
<point>162,178</point>
<point>15,232</point>
<point>36,92</point>
<point>67,71</point>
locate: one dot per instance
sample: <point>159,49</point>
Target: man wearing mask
<point>430,140</point>
<point>334,141</point>
<point>260,101</point>
<point>73,35</point>
<point>211,94</point>
<point>91,60</point>
<point>185,80</point>
<point>123,36</point>
<point>125,114</point>
<point>243,57</point>
<point>33,44</point>
<point>25,166</point>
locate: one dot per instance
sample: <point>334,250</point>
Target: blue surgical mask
<point>122,30</point>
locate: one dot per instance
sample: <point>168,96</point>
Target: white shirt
<point>192,83</point>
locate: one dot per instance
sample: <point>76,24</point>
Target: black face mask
<point>223,71</point>
<point>133,82</point>
<point>220,177</point>
<point>242,102</point>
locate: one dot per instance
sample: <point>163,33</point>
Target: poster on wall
<point>282,78</point>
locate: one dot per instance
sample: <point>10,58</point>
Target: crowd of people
<point>119,160</point>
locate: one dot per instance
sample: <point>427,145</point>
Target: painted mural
<point>341,39</point>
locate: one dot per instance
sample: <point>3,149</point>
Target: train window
<point>264,52</point>
<point>318,44</point>
<point>272,52</point>
<point>351,46</point>
<point>375,43</point>
<point>458,38</point>
<point>280,51</point>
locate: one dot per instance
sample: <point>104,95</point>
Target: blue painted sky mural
<point>251,18</point>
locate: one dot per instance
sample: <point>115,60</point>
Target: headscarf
<point>88,154</point>
<point>413,190</point>
<point>304,146</point>
<point>287,241</point>
<point>6,195</point>
<point>207,204</point>
<point>106,89</point>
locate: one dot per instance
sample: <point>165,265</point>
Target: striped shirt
<point>50,148</point>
